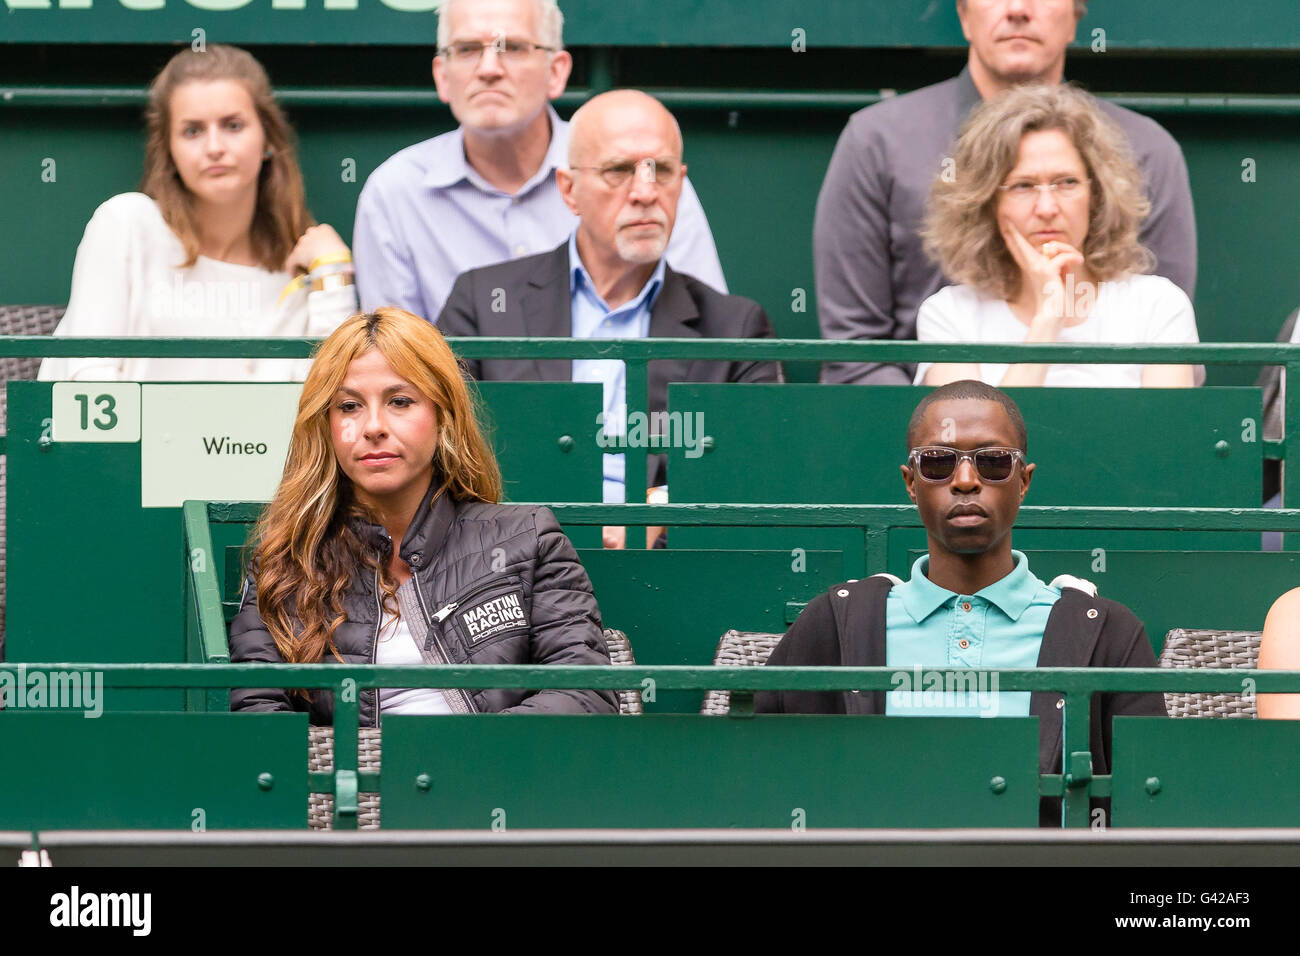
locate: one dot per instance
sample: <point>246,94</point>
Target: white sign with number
<point>96,412</point>
<point>213,442</point>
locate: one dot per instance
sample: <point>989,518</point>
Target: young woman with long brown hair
<point>218,242</point>
<point>385,542</point>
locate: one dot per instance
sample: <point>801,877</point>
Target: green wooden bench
<point>1205,773</point>
<point>778,773</point>
<point>152,771</point>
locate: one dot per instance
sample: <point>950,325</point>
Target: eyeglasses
<point>938,463</point>
<point>1023,192</point>
<point>510,49</point>
<point>662,171</point>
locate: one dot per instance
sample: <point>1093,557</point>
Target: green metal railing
<point>874,521</point>
<point>27,95</point>
<point>1075,785</point>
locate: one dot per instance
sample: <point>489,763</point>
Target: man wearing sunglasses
<point>971,601</point>
<point>486,191</point>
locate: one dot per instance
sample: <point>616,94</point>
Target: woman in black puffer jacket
<point>385,543</point>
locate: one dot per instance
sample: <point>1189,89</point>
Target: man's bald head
<point>603,117</point>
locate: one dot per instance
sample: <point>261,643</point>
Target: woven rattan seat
<point>1233,650</point>
<point>738,649</point>
<point>320,750</point>
<point>320,759</point>
<point>17,320</point>
<point>620,652</point>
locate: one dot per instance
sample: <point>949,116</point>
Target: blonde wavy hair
<point>961,227</point>
<point>307,553</point>
<point>281,215</point>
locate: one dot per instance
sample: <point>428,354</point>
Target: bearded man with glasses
<point>971,601</point>
<point>486,192</point>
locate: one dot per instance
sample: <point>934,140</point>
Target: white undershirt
<point>127,281</point>
<point>397,647</point>
<point>1132,310</point>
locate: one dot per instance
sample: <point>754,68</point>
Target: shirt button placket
<point>965,649</point>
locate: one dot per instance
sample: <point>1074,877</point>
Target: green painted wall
<point>1158,24</point>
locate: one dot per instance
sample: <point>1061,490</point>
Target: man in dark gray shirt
<point>872,273</point>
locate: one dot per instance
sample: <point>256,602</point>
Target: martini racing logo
<point>493,616</point>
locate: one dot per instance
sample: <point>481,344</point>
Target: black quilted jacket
<point>499,584</point>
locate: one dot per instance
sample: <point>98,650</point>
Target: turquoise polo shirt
<point>929,626</point>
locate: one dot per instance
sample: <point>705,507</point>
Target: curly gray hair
<point>961,229</point>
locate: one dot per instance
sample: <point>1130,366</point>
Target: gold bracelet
<point>329,260</point>
<point>329,283</point>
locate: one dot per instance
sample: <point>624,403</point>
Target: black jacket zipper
<point>374,643</point>
<point>435,632</point>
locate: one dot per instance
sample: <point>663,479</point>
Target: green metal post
<point>195,699</point>
<point>347,719</point>
<point>634,473</point>
<point>204,595</point>
<point>1076,759</point>
<point>1290,418</point>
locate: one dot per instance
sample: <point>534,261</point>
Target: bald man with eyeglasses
<point>486,192</point>
<point>611,278</point>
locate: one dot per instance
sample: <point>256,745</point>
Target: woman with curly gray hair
<point>1037,219</point>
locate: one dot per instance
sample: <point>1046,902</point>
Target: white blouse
<point>127,281</point>
<point>1133,310</point>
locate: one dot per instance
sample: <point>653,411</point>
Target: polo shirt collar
<point>579,277</point>
<point>448,165</point>
<point>1012,594</point>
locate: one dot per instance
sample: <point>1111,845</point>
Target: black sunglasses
<point>939,463</point>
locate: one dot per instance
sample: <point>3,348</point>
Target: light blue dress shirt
<point>425,216</point>
<point>593,319</point>
<point>929,626</point>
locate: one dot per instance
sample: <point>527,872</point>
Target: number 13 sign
<point>96,412</point>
